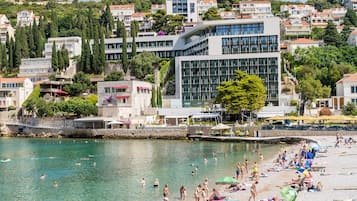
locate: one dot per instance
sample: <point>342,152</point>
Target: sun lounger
<point>353,188</point>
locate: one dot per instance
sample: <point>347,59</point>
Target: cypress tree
<point>65,56</point>
<point>53,24</point>
<point>159,97</point>
<point>124,52</point>
<point>96,62</point>
<point>60,60</point>
<point>134,27</point>
<point>3,57</point>
<point>87,62</point>
<point>153,97</point>
<point>17,50</point>
<point>101,52</point>
<point>11,54</point>
<point>82,61</point>
<point>25,51</point>
<point>120,29</point>
<point>31,42</point>
<point>54,58</point>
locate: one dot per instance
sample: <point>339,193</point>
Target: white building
<point>320,19</point>
<point>72,44</point>
<point>5,29</point>
<point>295,27</point>
<point>26,18</point>
<point>14,91</point>
<point>255,8</point>
<point>227,15</point>
<point>346,91</point>
<point>123,99</point>
<point>122,12</point>
<point>338,14</point>
<point>204,5</point>
<point>186,8</point>
<point>297,10</point>
<point>156,7</point>
<point>301,43</point>
<point>210,52</point>
<point>36,69</point>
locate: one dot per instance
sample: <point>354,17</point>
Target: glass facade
<point>239,29</point>
<point>251,44</point>
<point>201,78</point>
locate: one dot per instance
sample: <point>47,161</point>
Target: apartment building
<point>186,8</point>
<point>26,18</point>
<point>255,8</point>
<point>204,5</point>
<point>123,99</point>
<point>297,10</point>
<point>350,4</point>
<point>36,69</point>
<point>14,91</point>
<point>211,51</point>
<point>5,29</point>
<point>73,44</point>
<point>295,27</point>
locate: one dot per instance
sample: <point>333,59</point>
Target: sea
<point>98,169</point>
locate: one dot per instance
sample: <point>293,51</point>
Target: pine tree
<point>54,58</point>
<point>331,36</point>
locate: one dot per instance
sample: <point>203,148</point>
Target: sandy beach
<point>339,179</point>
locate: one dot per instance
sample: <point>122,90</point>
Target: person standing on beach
<point>197,193</point>
<point>183,192</point>
<point>253,191</point>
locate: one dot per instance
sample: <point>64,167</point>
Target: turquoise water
<point>120,165</point>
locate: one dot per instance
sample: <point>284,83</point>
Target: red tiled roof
<point>139,14</point>
<point>13,79</point>
<point>348,78</point>
<point>304,41</point>
<point>122,7</point>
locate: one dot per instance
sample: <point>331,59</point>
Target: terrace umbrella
<point>226,180</point>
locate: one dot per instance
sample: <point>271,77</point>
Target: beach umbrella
<point>288,193</point>
<point>226,180</point>
<point>314,146</point>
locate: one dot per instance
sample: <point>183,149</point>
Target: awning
<point>119,97</point>
<point>60,92</point>
<point>120,87</point>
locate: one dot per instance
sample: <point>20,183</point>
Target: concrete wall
<point>275,133</point>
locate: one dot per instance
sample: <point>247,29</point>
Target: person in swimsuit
<point>166,191</point>
<point>237,171</point>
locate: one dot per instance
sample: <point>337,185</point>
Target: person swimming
<point>156,182</point>
<point>55,184</point>
<point>43,176</point>
<point>143,183</point>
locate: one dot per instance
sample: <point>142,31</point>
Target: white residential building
<point>228,15</point>
<point>14,91</point>
<point>297,10</point>
<point>123,99</point>
<point>122,12</point>
<point>156,7</point>
<point>255,8</point>
<point>36,69</point>
<point>338,14</point>
<point>5,29</point>
<point>204,5</point>
<point>72,44</point>
<point>186,8</point>
<point>320,19</point>
<point>346,91</point>
<point>26,18</point>
<point>301,43</point>
<point>295,27</point>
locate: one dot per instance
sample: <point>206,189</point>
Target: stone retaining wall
<point>275,133</point>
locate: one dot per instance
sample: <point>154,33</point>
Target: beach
<point>338,179</point>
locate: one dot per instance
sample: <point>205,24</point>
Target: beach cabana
<point>221,129</point>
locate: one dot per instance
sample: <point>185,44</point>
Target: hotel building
<point>209,53</point>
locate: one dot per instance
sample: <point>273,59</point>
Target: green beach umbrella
<point>226,180</point>
<point>288,193</point>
